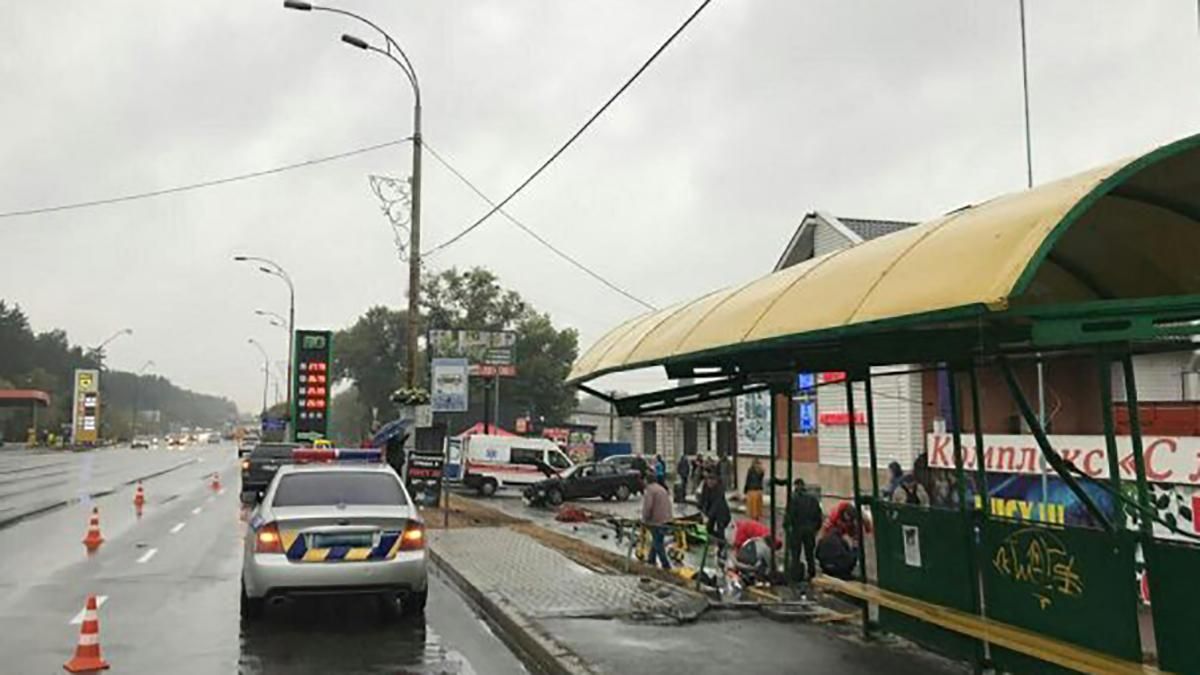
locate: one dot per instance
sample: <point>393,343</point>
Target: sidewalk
<point>568,618</point>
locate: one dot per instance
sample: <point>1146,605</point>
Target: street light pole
<point>414,232</point>
<point>99,349</point>
<point>266,374</point>
<point>276,270</point>
<point>1041,368</point>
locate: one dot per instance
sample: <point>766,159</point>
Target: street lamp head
<point>295,4</point>
<point>240,258</point>
<point>128,331</point>
<point>260,312</point>
<point>355,42</point>
<point>268,270</point>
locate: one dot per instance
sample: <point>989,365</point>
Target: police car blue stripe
<point>298,549</point>
<point>385,544</point>
<point>337,552</point>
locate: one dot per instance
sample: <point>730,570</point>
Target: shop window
<point>649,438</point>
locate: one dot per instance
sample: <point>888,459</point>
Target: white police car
<point>337,522</point>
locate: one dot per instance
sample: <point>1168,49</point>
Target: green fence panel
<point>1172,569</point>
<point>1073,584</point>
<point>923,554</point>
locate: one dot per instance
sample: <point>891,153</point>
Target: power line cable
<point>527,230</point>
<point>574,136</point>
<point>203,184</point>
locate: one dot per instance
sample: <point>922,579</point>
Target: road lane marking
<point>197,510</point>
<point>177,528</point>
<point>100,600</point>
<point>147,556</point>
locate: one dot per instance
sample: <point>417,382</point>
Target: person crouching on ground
<point>754,490</point>
<point>656,514</point>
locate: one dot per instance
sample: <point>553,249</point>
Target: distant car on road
<point>259,467</point>
<point>585,480</point>
<point>246,443</point>
<point>141,442</point>
<point>337,528</point>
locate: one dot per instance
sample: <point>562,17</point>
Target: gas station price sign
<point>310,409</point>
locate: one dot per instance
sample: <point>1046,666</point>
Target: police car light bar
<point>307,455</point>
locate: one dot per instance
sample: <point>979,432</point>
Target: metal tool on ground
<point>93,538</point>
<point>87,651</point>
<point>139,499</point>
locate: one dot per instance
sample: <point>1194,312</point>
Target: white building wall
<point>897,403</point>
<point>1159,377</point>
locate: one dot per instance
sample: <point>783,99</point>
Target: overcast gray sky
<point>763,110</point>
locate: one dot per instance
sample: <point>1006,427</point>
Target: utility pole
<point>414,246</point>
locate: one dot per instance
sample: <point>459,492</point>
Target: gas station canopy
<point>22,398</point>
<point>1102,256</point>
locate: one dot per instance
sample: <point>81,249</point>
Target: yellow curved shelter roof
<point>1124,230</point>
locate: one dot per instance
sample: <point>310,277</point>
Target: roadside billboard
<point>85,410</point>
<point>449,390</point>
<point>488,353</point>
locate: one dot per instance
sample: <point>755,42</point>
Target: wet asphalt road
<point>170,580</point>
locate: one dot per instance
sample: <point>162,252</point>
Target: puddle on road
<point>328,635</point>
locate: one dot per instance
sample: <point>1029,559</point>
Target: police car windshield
<point>339,487</point>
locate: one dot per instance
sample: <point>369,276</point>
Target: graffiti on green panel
<point>1038,559</point>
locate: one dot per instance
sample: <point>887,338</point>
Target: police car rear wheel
<point>414,603</point>
<point>487,488</point>
<point>251,608</point>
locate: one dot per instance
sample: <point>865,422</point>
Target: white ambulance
<point>493,462</point>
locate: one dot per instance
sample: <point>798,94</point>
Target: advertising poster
<point>912,545</point>
<point>754,424</point>
<point>450,390</point>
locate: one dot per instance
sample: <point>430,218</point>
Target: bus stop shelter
<point>1102,264</point>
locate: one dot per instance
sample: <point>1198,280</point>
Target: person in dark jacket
<point>683,469</point>
<point>754,490</point>
<point>802,522</point>
<point>837,555</point>
<point>715,508</point>
<point>394,452</point>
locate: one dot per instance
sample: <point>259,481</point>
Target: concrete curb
<point>538,651</point>
<point>9,521</point>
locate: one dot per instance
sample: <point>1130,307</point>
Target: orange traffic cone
<point>216,482</point>
<point>93,539</point>
<point>139,499</point>
<point>87,651</point>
